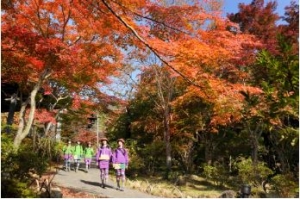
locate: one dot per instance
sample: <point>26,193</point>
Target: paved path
<point>90,182</point>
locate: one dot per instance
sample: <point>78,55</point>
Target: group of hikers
<point>104,157</point>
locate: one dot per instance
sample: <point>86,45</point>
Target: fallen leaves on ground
<point>73,193</point>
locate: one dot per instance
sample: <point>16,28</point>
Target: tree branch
<point>148,46</point>
<point>151,19</point>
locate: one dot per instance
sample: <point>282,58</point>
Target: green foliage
<point>209,171</point>
<point>145,159</point>
<point>276,110</point>
<point>286,185</point>
<point>136,163</point>
<point>154,156</point>
<point>248,173</point>
<point>57,151</point>
<point>49,149</point>
<point>16,165</point>
<point>287,141</point>
<point>216,173</point>
<point>13,188</point>
<point>281,84</point>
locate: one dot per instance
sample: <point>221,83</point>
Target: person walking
<point>68,154</point>
<point>77,154</point>
<point>103,157</point>
<point>88,154</point>
<point>120,163</point>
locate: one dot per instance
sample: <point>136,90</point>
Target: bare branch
<point>151,19</point>
<point>149,46</point>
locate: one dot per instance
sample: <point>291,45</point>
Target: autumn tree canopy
<point>80,44</point>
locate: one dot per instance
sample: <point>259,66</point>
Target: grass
<point>194,187</point>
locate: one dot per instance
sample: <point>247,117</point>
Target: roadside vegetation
<point>205,104</point>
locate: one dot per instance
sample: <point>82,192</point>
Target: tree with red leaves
<point>259,19</point>
<point>79,44</point>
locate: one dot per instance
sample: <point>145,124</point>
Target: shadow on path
<point>97,184</point>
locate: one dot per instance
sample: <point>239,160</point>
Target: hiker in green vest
<point>68,153</point>
<point>88,154</point>
<point>77,154</point>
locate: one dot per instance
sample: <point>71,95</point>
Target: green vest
<point>68,149</point>
<point>89,152</point>
<point>78,150</point>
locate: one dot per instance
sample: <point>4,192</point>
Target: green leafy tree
<point>282,96</point>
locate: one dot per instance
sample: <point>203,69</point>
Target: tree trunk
<point>165,86</point>
<point>18,137</point>
<point>34,136</point>
<point>187,158</point>
<point>254,151</point>
<point>209,148</point>
<point>167,142</point>
<point>208,155</point>
<point>25,126</point>
<point>254,136</point>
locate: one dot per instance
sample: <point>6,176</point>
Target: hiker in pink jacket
<point>120,163</point>
<point>103,156</point>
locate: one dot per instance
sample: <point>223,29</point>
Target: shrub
<point>252,174</point>
<point>209,171</point>
<point>16,165</point>
<point>13,188</point>
<point>285,185</point>
<point>216,173</point>
<point>153,157</point>
<point>135,162</point>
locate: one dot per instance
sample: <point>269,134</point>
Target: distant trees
<point>235,109</point>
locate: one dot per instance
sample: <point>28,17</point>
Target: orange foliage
<point>83,42</point>
<point>85,136</point>
<point>43,116</point>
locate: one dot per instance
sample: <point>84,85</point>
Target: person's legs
<point>105,176</point>
<point>68,164</point>
<point>76,164</point>
<point>102,177</point>
<point>87,164</point>
<point>122,178</point>
<point>118,175</point>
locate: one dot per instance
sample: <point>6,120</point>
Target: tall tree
<point>259,19</point>
<point>40,43</point>
<point>282,98</point>
<point>78,44</point>
<point>165,92</point>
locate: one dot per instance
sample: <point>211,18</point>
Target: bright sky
<point>231,6</point>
